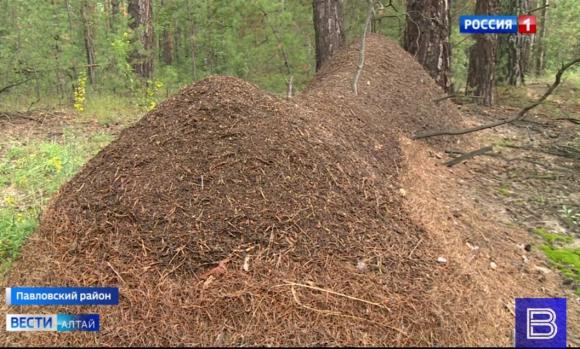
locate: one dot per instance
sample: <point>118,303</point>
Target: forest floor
<point>530,177</point>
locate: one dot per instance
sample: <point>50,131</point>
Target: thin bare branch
<point>361,61</point>
<point>518,116</point>
<point>538,8</point>
<point>456,96</point>
<point>14,84</point>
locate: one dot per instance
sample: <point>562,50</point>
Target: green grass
<point>553,238</point>
<point>104,109</point>
<point>109,110</point>
<point>30,172</point>
<point>565,259</point>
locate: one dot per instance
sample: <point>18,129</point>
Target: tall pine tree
<point>141,13</point>
<point>427,34</point>
<point>329,29</point>
<point>482,57</point>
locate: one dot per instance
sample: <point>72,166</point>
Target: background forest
<point>73,52</point>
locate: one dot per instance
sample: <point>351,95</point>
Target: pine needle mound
<point>228,216</point>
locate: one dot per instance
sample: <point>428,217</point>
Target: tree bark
<point>192,36</point>
<point>541,44</point>
<point>141,14</point>
<point>115,10</point>
<point>328,28</point>
<point>168,45</point>
<point>193,53</point>
<point>108,15</point>
<point>482,58</point>
<point>115,7</point>
<point>87,14</point>
<point>167,35</point>
<point>515,49</point>
<point>427,34</point>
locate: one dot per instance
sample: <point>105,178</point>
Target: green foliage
<point>80,93</point>
<point>120,48</point>
<point>15,226</point>
<point>570,216</point>
<point>563,30</point>
<point>152,89</point>
<point>109,109</point>
<point>390,22</point>
<point>565,259</point>
<point>553,238</point>
<point>460,45</point>
<point>264,41</point>
<point>29,174</point>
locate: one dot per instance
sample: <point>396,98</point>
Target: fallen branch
<point>14,84</point>
<point>561,151</point>
<point>337,313</point>
<point>18,115</point>
<point>455,96</point>
<point>468,156</point>
<point>572,120</point>
<point>518,116</point>
<point>361,61</point>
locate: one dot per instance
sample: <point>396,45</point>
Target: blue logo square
<point>540,322</point>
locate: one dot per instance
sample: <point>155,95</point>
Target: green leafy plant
<point>570,216</point>
<point>80,93</point>
<point>152,90</point>
<point>30,172</point>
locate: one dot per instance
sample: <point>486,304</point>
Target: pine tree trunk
<point>115,7</point>
<point>108,15</point>
<point>168,45</point>
<point>515,48</point>
<point>193,55</point>
<point>328,28</point>
<point>87,13</point>
<point>482,59</point>
<point>115,12</point>
<point>141,13</point>
<point>541,44</point>
<point>427,33</point>
<point>191,40</point>
<point>167,38</point>
<point>526,44</point>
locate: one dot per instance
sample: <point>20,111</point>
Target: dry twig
<point>290,283</point>
<point>468,156</point>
